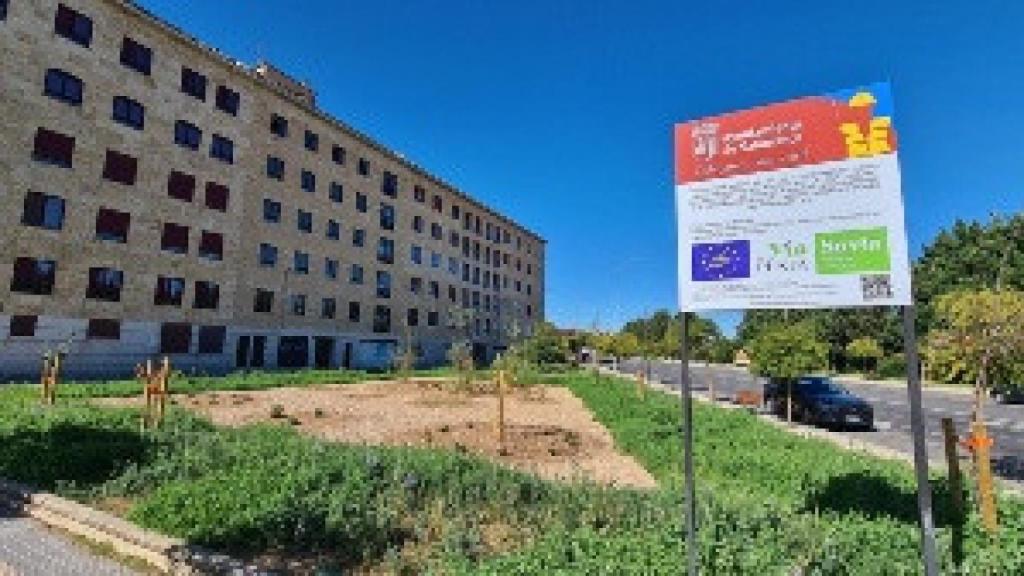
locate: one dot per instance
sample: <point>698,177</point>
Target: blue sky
<point>559,113</point>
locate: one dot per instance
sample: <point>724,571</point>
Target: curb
<point>169,555</point>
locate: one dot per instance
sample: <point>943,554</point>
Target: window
<point>389,184</point>
<point>436,232</point>
<point>416,254</point>
<point>300,262</point>
<point>419,194</point>
<point>338,155</point>
<point>328,307</point>
<point>453,239</point>
<point>386,251</point>
<point>120,168</point>
<point>412,318</point>
<point>279,126</point>
<point>271,211</point>
<point>436,205</point>
<point>353,311</point>
<point>227,100</point>
<point>358,237</point>
<point>435,260</point>
<point>456,213</point>
<point>174,238</point>
<point>387,216</point>
<point>361,204</point>
<point>529,311</point>
<point>175,338</point>
<point>453,294</point>
<point>383,284</point>
<point>416,285</point>
<point>112,225</point>
<point>33,276</point>
<point>207,295</point>
<point>268,255</point>
<point>53,148</point>
<point>62,86</point>
<point>308,181</point>
<point>335,192</point>
<point>193,83</point>
<point>333,230</point>
<point>355,274</point>
<point>298,304</point>
<point>169,291</point>
<point>432,318</point>
<point>275,167</point>
<point>211,245</point>
<point>3,9</point>
<point>217,196</point>
<point>187,135</point>
<point>73,25</point>
<point>43,211</point>
<point>211,339</point>
<point>435,289</point>
<point>305,221</point>
<point>222,149</point>
<point>263,301</point>
<point>103,329</point>
<point>417,223</point>
<point>312,141</point>
<point>136,56</point>
<point>181,186</point>
<point>364,167</point>
<point>381,319</point>
<point>105,284</point>
<point>331,268</point>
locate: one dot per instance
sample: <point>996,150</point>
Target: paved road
<point>29,549</point>
<point>892,412</point>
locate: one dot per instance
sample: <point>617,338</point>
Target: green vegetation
<point>788,352</point>
<point>968,256</point>
<point>659,336</point>
<point>866,351</point>
<point>769,502</point>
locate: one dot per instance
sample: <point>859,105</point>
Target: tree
<point>866,350</point>
<point>786,353</point>
<point>979,337</point>
<point>546,346</point>
<point>626,345</point>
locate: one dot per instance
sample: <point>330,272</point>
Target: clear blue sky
<point>559,113</point>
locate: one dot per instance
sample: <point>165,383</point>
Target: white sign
<point>793,205</point>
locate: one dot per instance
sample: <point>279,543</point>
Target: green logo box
<point>852,251</point>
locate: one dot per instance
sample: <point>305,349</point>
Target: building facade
<point>158,198</point>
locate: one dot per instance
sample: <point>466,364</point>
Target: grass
<point>769,502</point>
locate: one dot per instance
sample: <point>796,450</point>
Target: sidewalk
<point>29,549</point>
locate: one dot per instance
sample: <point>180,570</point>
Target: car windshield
<point>820,386</point>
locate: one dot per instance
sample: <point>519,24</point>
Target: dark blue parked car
<point>820,401</point>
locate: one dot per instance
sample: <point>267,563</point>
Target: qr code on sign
<point>876,286</point>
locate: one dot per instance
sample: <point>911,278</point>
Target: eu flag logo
<point>721,261</point>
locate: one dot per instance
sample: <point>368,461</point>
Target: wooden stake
<point>501,411</point>
<point>986,489</point>
<point>955,481</point>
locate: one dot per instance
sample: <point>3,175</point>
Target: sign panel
<point>792,205</point>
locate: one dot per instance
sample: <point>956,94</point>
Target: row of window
<point>175,338</point>
<point>77,27</point>
<point>47,212</point>
<point>38,276</point>
<point>51,147</point>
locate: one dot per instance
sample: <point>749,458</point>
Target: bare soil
<point>549,431</point>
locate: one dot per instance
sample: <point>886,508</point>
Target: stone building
<point>157,197</point>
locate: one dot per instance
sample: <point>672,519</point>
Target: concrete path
<point>27,548</point>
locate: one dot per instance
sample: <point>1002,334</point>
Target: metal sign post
<point>924,492</point>
<point>686,398</point>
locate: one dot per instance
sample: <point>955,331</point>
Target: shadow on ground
<point>69,453</point>
<point>878,497</point>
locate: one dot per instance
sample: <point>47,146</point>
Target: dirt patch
<point>549,431</point>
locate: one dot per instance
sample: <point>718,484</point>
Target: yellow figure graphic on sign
<point>876,141</point>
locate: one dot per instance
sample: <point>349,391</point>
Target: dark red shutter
<point>212,243</point>
<point>24,326</point>
<point>216,196</point>
<point>181,186</point>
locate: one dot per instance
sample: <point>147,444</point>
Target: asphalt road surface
<point>892,411</point>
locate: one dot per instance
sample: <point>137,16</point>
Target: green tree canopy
<point>788,351</point>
